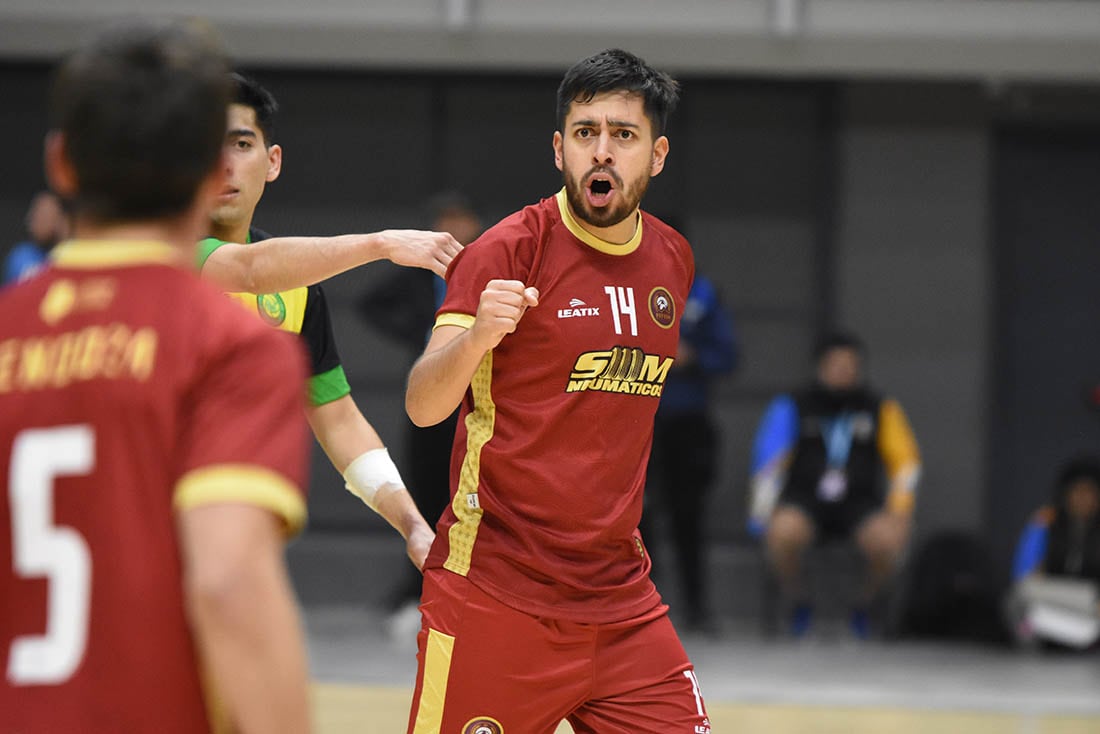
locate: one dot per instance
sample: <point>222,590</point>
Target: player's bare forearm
<point>342,430</point>
<point>345,434</point>
<point>282,263</point>
<point>400,511</point>
<point>440,377</point>
<point>438,380</point>
<point>242,609</point>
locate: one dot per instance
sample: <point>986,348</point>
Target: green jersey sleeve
<point>205,249</point>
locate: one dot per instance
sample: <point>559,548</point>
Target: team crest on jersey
<point>662,309</point>
<point>483,725</point>
<point>66,297</point>
<point>58,302</point>
<point>271,308</point>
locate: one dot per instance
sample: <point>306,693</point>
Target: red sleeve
<point>245,438</point>
<point>503,252</point>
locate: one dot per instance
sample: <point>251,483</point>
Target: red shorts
<point>486,668</point>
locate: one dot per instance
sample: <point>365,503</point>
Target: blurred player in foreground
<point>556,335</point>
<point>152,447</point>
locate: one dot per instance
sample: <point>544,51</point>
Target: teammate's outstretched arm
<point>282,263</point>
<point>440,377</point>
<point>245,620</point>
<point>357,452</point>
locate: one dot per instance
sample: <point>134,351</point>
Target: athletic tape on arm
<point>371,476</point>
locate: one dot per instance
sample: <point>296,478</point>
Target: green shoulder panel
<point>328,386</point>
<point>206,249</point>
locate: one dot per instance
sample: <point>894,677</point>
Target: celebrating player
<point>559,327</point>
<point>152,448</point>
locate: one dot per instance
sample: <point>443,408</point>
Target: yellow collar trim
<point>107,253</point>
<point>592,240</point>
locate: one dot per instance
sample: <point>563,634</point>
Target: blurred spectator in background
<point>817,464</point>
<point>47,224</point>
<point>684,458</point>
<point>402,307</point>
<point>1057,566</point>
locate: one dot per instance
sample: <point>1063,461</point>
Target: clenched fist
<point>502,305</point>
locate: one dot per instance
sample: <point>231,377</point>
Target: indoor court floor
<point>830,684</point>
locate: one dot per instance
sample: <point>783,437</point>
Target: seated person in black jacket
<point>834,461</point>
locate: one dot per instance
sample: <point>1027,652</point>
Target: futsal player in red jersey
<point>557,333</point>
<point>152,434</point>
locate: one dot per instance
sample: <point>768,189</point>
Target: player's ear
<point>274,162</point>
<point>59,169</point>
<point>558,159</point>
<point>660,152</point>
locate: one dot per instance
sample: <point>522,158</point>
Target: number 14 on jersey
<point>622,304</point>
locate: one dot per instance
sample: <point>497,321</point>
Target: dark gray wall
<point>23,123</point>
<point>860,204</point>
<point>1047,224</point>
<point>913,273</point>
<point>755,171</point>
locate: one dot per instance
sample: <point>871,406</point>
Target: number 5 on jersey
<point>622,304</point>
<point>41,548</point>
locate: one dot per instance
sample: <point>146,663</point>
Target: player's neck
<point>179,233</point>
<point>237,232</point>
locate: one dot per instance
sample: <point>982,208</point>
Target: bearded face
<point>607,155</point>
<point>600,197</point>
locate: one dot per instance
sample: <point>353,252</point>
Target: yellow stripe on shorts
<point>433,694</point>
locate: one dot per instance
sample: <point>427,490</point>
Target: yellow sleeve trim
<point>243,483</point>
<point>901,502</point>
<point>896,443</point>
<point>463,320</point>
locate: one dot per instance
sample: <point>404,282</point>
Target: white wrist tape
<point>371,476</point>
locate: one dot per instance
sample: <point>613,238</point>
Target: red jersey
<point>550,455</point>
<point>129,391</point>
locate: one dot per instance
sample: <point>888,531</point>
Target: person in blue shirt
<point>1057,562</point>
<point>1063,538</point>
<point>684,458</point>
<point>47,224</point>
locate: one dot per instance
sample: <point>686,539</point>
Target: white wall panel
<point>1003,39</point>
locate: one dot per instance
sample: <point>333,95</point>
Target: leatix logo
<point>577,308</point>
<point>626,370</point>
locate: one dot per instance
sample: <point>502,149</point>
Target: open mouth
<point>600,190</point>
